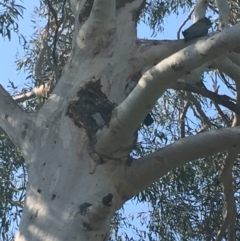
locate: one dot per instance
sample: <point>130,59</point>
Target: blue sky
<point>9,49</point>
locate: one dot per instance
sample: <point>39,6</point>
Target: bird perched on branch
<point>132,81</point>
<point>198,29</point>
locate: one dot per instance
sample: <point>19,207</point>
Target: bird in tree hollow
<point>132,81</point>
<point>198,29</point>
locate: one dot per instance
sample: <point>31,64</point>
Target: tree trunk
<point>66,187</point>
<point>61,187</point>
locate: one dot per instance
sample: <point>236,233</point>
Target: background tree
<point>76,146</point>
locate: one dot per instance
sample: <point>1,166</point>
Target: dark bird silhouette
<point>197,30</point>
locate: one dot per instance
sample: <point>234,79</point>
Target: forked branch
<point>154,83</point>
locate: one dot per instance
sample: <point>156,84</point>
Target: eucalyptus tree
<point>81,140</point>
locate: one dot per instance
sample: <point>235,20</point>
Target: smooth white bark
<point>146,169</point>
<point>13,120</point>
<point>200,9</point>
<point>224,12</point>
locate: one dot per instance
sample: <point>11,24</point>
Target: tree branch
<point>104,14</point>
<point>95,31</point>
<point>74,4</point>
<point>224,10</point>
<point>101,20</point>
<point>40,91</point>
<point>150,52</point>
<point>219,110</point>
<point>126,120</point>
<point>234,57</point>
<point>230,211</point>
<point>223,100</point>
<point>144,171</point>
<point>229,214</point>
<point>131,5</point>
<point>228,67</point>
<point>182,117</point>
<point>77,6</point>
<point>200,9</point>
<point>184,22</point>
<point>199,109</point>
<point>12,118</point>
